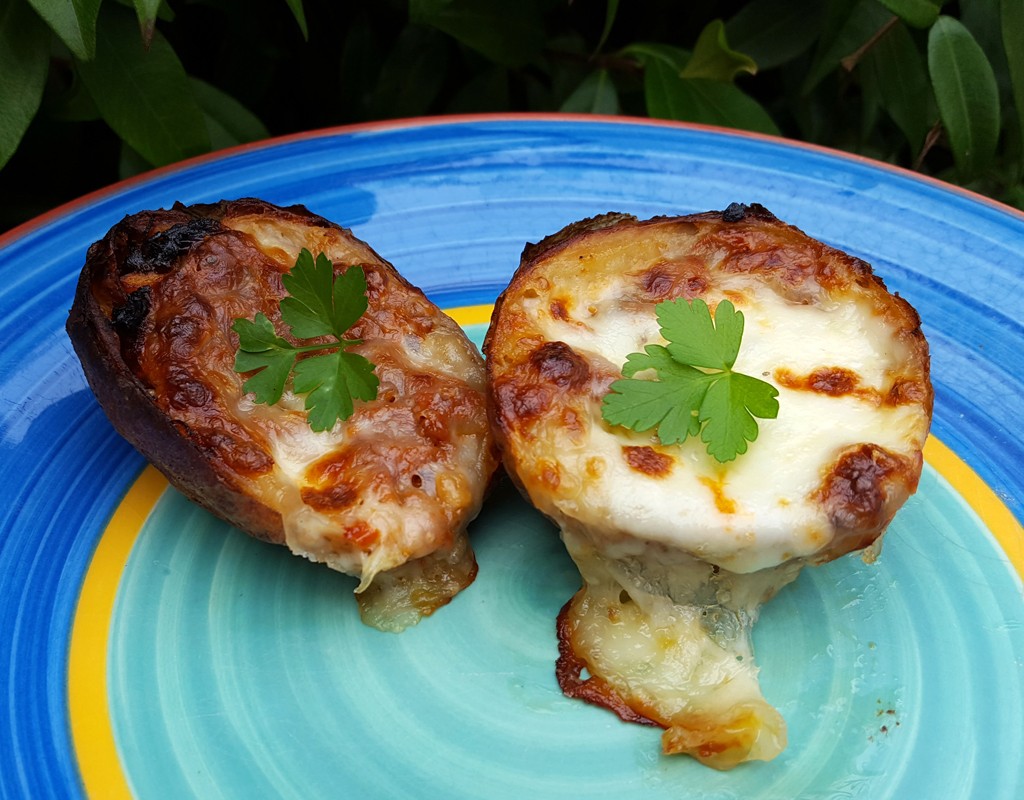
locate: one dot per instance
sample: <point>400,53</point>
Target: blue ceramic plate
<point>148,649</point>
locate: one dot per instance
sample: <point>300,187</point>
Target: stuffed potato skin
<point>390,490</point>
<point>676,551</point>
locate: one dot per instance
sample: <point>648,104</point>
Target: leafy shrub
<point>91,91</point>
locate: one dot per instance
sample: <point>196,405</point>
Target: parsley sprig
<point>696,392</point>
<point>318,304</point>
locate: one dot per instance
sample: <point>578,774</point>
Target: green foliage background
<point>96,90</point>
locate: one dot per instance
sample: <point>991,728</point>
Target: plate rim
<point>28,227</point>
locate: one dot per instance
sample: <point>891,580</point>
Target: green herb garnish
<point>696,391</point>
<point>318,304</point>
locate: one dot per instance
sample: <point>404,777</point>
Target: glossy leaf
<point>596,95</point>
<point>74,22</point>
<point>700,100</point>
<point>228,122</point>
<point>24,62</point>
<point>772,32</point>
<point>486,91</point>
<point>146,11</point>
<point>672,57</point>
<point>966,93</point>
<point>855,26</point>
<point>916,13</point>
<point>506,33</point>
<point>143,93</point>
<point>412,74</point>
<point>713,58</point>
<point>611,9</point>
<point>1012,18</point>
<point>299,12</point>
<point>907,100</point>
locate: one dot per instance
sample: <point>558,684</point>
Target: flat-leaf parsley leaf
<point>318,304</point>
<point>696,392</point>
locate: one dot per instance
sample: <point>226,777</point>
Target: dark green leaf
<point>713,58</point>
<point>655,357</point>
<point>695,390</point>
<point>300,16</point>
<point>24,62</point>
<point>349,299</point>
<point>916,13</point>
<point>228,122</point>
<point>699,100</point>
<point>144,94</point>
<point>966,93</point>
<point>773,32</point>
<point>611,9</point>
<point>74,21</point>
<point>854,26</point>
<point>511,34</point>
<point>330,383</point>
<point>319,302</point>
<point>727,423</point>
<point>669,404</point>
<point>907,99</point>
<point>1012,17</point>
<point>362,56</point>
<point>73,103</point>
<point>130,163</point>
<point>309,311</point>
<point>486,91</point>
<point>412,74</point>
<point>146,11</point>
<point>695,338</point>
<point>260,348</point>
<point>596,95</point>
<point>674,58</point>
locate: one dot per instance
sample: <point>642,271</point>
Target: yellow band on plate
<point>91,731</point>
<point>993,512</point>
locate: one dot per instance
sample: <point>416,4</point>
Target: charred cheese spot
<point>834,381</point>
<point>676,551</point>
<point>333,497</point>
<point>389,491</point>
<point>910,391</point>
<point>521,402</point>
<point>560,365</point>
<point>648,461</point>
<point>668,280</point>
<point>236,451</point>
<point>862,492</point>
<point>560,309</point>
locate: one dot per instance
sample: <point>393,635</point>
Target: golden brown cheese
<point>385,495</point>
<point>677,551</point>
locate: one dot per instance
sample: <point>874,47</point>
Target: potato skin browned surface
<point>132,406</point>
<point>397,482</point>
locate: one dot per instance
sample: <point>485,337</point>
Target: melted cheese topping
<point>748,514</point>
<point>676,550</point>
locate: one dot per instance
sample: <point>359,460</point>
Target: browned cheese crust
<point>397,482</point>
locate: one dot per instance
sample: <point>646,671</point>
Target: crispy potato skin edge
<point>131,409</point>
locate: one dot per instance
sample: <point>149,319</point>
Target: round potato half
<point>676,548</point>
<point>385,495</point>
